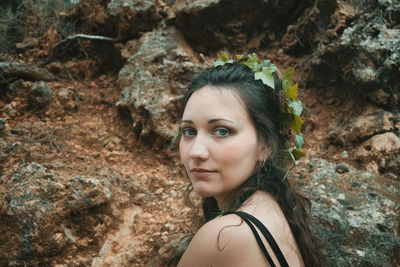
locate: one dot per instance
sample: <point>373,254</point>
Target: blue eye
<point>188,132</point>
<point>222,132</point>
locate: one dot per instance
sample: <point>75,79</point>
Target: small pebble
<point>342,168</point>
<point>3,128</point>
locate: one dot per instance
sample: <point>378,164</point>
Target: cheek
<point>239,153</point>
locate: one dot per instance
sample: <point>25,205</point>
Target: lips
<point>200,172</point>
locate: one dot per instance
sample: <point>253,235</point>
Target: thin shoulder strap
<point>249,219</point>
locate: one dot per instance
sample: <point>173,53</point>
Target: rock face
<point>375,68</point>
<point>319,24</point>
<point>39,213</point>
<point>219,24</point>
<point>360,128</point>
<point>125,19</point>
<point>375,136</point>
<point>355,213</point>
<point>133,216</point>
<point>153,82</point>
<point>365,58</point>
<point>380,153</point>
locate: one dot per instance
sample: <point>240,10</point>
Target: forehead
<point>212,101</point>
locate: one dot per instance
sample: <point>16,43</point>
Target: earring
<point>263,165</point>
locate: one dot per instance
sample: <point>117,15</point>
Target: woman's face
<point>219,146</point>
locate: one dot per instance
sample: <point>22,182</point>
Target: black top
<point>252,221</point>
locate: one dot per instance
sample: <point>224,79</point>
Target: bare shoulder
<point>224,241</point>
<point>267,210</point>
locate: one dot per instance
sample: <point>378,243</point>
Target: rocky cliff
<point>87,175</point>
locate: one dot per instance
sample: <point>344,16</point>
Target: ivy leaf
<point>253,62</point>
<point>268,63</point>
<point>287,78</point>
<point>266,76</point>
<point>299,140</point>
<point>218,62</point>
<point>297,153</point>
<point>287,117</point>
<point>253,57</point>
<point>293,121</point>
<point>297,107</point>
<point>292,92</point>
<point>239,57</point>
<point>223,56</point>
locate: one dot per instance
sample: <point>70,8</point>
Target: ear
<point>263,152</point>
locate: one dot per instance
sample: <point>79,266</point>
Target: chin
<point>203,191</point>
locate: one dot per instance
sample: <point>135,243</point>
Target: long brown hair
<point>263,105</point>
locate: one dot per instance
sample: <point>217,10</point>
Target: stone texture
<point>67,99</point>
<point>87,192</point>
<point>375,68</point>
<point>21,88</point>
<point>3,127</point>
<point>221,24</point>
<point>27,200</point>
<point>357,129</point>
<point>153,82</point>
<point>14,70</point>
<point>355,213</point>
<point>39,95</point>
<point>365,58</point>
<point>50,217</point>
<point>380,153</point>
<point>318,24</point>
<point>38,210</point>
<point>127,19</point>
<point>27,43</point>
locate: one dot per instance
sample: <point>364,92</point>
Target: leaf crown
<point>291,106</point>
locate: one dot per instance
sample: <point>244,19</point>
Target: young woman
<point>232,146</point>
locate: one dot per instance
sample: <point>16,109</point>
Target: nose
<point>199,149</point>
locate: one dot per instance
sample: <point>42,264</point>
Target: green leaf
<point>297,153</point>
<point>223,56</point>
<point>297,107</point>
<point>299,140</point>
<point>295,123</point>
<point>266,76</point>
<point>287,117</point>
<point>253,62</point>
<point>287,78</point>
<point>239,57</point>
<point>292,92</point>
<point>218,62</point>
<point>268,63</point>
<point>253,57</point>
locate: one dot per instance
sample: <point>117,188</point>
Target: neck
<point>223,203</point>
<point>226,200</point>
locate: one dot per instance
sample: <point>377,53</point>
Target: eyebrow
<point>210,121</point>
